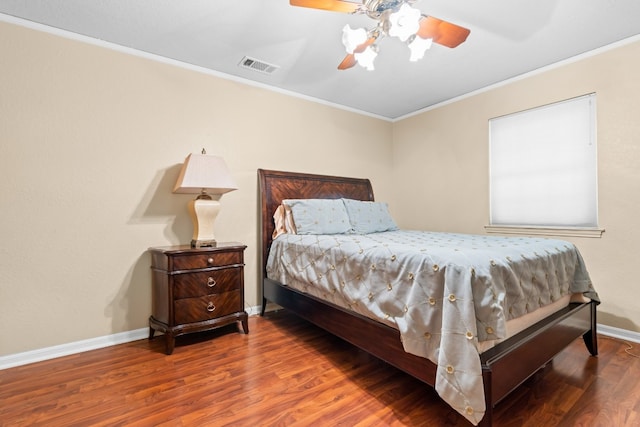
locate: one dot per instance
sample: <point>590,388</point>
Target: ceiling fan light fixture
<point>418,46</point>
<point>393,18</point>
<point>352,38</point>
<point>405,22</point>
<point>365,58</point>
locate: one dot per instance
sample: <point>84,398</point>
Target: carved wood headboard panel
<point>275,186</point>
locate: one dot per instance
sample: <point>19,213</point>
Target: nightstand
<point>196,289</point>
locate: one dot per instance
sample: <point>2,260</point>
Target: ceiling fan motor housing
<point>379,6</point>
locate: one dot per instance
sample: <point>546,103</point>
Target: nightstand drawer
<point>194,261</point>
<point>190,285</point>
<point>207,307</point>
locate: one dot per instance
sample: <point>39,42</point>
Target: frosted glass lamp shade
<point>418,46</point>
<point>405,22</point>
<point>365,59</point>
<point>352,38</point>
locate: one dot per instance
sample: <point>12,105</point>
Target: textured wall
<point>90,147</point>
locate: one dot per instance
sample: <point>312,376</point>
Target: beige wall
<point>91,141</point>
<point>441,157</point>
<point>91,144</point>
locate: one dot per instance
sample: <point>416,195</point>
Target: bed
<point>502,367</point>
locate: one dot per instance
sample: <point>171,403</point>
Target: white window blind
<point>543,166</point>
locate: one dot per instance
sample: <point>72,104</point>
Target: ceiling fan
<point>396,18</point>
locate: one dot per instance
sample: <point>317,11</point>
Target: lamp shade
<point>204,173</point>
<point>405,22</point>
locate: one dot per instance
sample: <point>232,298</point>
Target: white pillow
<point>319,216</point>
<point>369,217</point>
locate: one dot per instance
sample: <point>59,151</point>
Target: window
<point>543,166</point>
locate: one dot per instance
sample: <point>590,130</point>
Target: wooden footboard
<point>504,366</point>
<point>510,363</point>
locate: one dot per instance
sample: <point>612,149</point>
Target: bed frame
<point>504,367</point>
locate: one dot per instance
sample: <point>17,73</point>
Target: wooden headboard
<point>275,186</point>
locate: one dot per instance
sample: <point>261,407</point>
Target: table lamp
<point>205,175</point>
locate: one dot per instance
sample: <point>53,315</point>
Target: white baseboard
<point>19,359</point>
<point>47,353</point>
<point>622,334</point>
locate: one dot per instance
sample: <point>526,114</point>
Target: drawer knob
<point>210,307</point>
<point>211,282</point>
<point>210,260</point>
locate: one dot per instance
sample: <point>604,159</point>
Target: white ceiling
<point>508,38</point>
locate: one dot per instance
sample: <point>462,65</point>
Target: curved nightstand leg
<point>170,343</point>
<point>245,323</point>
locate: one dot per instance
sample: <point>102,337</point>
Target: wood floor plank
<point>287,372</point>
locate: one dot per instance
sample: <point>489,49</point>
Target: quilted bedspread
<point>444,292</point>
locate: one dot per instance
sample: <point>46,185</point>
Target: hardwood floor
<point>287,372</point>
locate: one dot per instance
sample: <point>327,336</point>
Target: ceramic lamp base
<point>203,211</point>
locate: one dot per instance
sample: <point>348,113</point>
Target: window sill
<point>546,231</point>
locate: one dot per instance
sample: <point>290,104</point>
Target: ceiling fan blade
<point>334,5</point>
<point>442,32</point>
<point>350,60</point>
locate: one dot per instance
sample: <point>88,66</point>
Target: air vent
<point>257,65</point>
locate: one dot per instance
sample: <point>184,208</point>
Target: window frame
<point>506,125</point>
